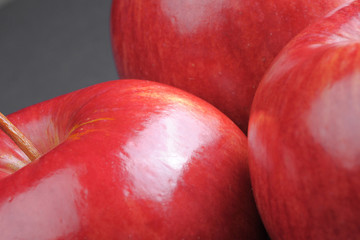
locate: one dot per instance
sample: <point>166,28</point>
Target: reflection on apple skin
<point>190,17</point>
<point>136,159</point>
<point>306,169</point>
<point>339,140</point>
<point>154,166</point>
<point>49,204</point>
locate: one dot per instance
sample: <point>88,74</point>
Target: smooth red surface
<point>127,159</point>
<point>215,49</point>
<point>304,134</point>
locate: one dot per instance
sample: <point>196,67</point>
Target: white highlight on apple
<point>52,196</point>
<point>189,15</point>
<point>334,121</point>
<point>155,171</point>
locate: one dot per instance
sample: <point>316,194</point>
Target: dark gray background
<point>52,47</point>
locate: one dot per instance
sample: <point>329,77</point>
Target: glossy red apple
<point>127,160</point>
<point>304,134</point>
<point>215,49</point>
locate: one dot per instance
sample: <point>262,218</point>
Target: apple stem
<point>19,138</point>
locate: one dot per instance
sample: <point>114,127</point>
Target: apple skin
<point>215,49</point>
<point>304,134</point>
<point>127,159</point>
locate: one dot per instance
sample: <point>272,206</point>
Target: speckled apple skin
<point>304,134</point>
<point>215,49</point>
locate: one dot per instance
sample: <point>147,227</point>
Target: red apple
<point>215,49</point>
<point>304,134</point>
<point>127,159</point>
